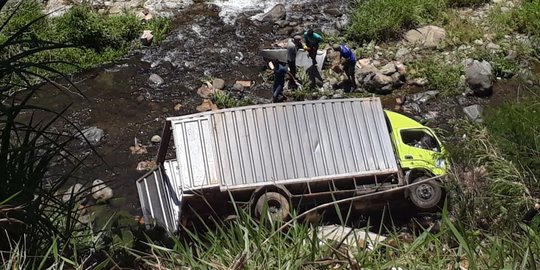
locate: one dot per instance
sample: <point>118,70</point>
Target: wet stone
<point>100,191</point>
<point>93,135</point>
<point>155,139</point>
<point>156,80</point>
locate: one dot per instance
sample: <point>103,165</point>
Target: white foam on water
<point>230,9</point>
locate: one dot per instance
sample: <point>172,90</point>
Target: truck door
<point>419,148</point>
<point>159,201</point>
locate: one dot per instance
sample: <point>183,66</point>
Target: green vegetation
<point>224,100</point>
<point>94,38</point>
<point>523,19</point>
<point>441,76</point>
<point>383,19</point>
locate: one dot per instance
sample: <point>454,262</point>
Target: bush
<point>524,19</point>
<point>516,127</point>
<point>384,19</point>
<point>442,77</point>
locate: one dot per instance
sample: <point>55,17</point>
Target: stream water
<point>209,40</point>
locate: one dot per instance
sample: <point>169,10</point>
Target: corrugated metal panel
<point>159,200</point>
<point>293,141</point>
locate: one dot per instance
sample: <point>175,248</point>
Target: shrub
<point>444,77</point>
<point>516,128</point>
<point>524,19</point>
<point>383,19</point>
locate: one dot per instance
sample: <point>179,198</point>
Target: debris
<point>146,165</point>
<point>147,38</point>
<point>177,107</point>
<point>357,238</point>
<point>207,105</point>
<point>138,149</point>
<point>205,91</point>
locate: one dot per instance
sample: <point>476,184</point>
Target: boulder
<point>155,80</point>
<point>402,53</point>
<point>100,191</point>
<point>74,191</point>
<point>474,112</point>
<point>479,77</point>
<point>93,135</point>
<point>330,30</point>
<point>218,83</point>
<point>429,36</point>
<point>388,69</point>
<point>156,139</point>
<point>147,38</point>
<point>277,13</point>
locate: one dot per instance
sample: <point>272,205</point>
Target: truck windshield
<point>420,138</point>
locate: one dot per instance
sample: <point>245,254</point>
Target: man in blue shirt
<point>312,41</point>
<point>279,81</point>
<point>349,62</point>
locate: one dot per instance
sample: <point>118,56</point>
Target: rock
<point>144,15</point>
<point>336,96</point>
<point>146,165</point>
<point>382,80</point>
<point>423,97</point>
<point>155,80</point>
<point>282,23</point>
<point>365,62</point>
<point>388,69</point>
<point>74,191</point>
<point>147,38</point>
<point>140,98</point>
<point>361,73</point>
<point>246,84</point>
<point>206,105</point>
<point>402,52</point>
<point>277,13</point>
<point>177,107</point>
<point>421,82</point>
<point>401,68</point>
<point>205,91</point>
<point>237,87</point>
<point>429,36</point>
<point>479,77</point>
<point>92,134</point>
<point>474,112</point>
<point>492,46</point>
<point>478,42</point>
<point>218,83</point>
<point>155,139</point>
<point>100,191</point>
<point>512,55</point>
<point>329,31</point>
<point>334,12</point>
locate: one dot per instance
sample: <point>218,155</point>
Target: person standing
<point>312,41</point>
<point>293,45</point>
<point>279,81</point>
<point>348,61</point>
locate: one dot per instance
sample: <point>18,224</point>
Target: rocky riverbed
<point>127,102</point>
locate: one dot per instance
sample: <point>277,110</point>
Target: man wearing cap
<point>279,81</point>
<point>349,62</point>
<point>293,45</point>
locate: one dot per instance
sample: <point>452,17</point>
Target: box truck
<point>284,157</point>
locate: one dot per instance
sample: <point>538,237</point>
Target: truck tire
<point>276,204</point>
<point>426,195</point>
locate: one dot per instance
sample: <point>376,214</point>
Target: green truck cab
<point>421,155</point>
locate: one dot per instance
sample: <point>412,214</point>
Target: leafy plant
<point>444,77</point>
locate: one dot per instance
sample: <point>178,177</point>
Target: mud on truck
<point>286,157</point>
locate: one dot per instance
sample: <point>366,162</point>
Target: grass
<point>385,19</point>
<point>96,38</point>
<point>441,76</point>
<point>224,99</point>
<point>524,19</point>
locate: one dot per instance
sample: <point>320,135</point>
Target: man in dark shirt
<point>279,81</point>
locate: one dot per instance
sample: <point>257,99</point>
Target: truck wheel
<point>278,206</point>
<point>425,195</point>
